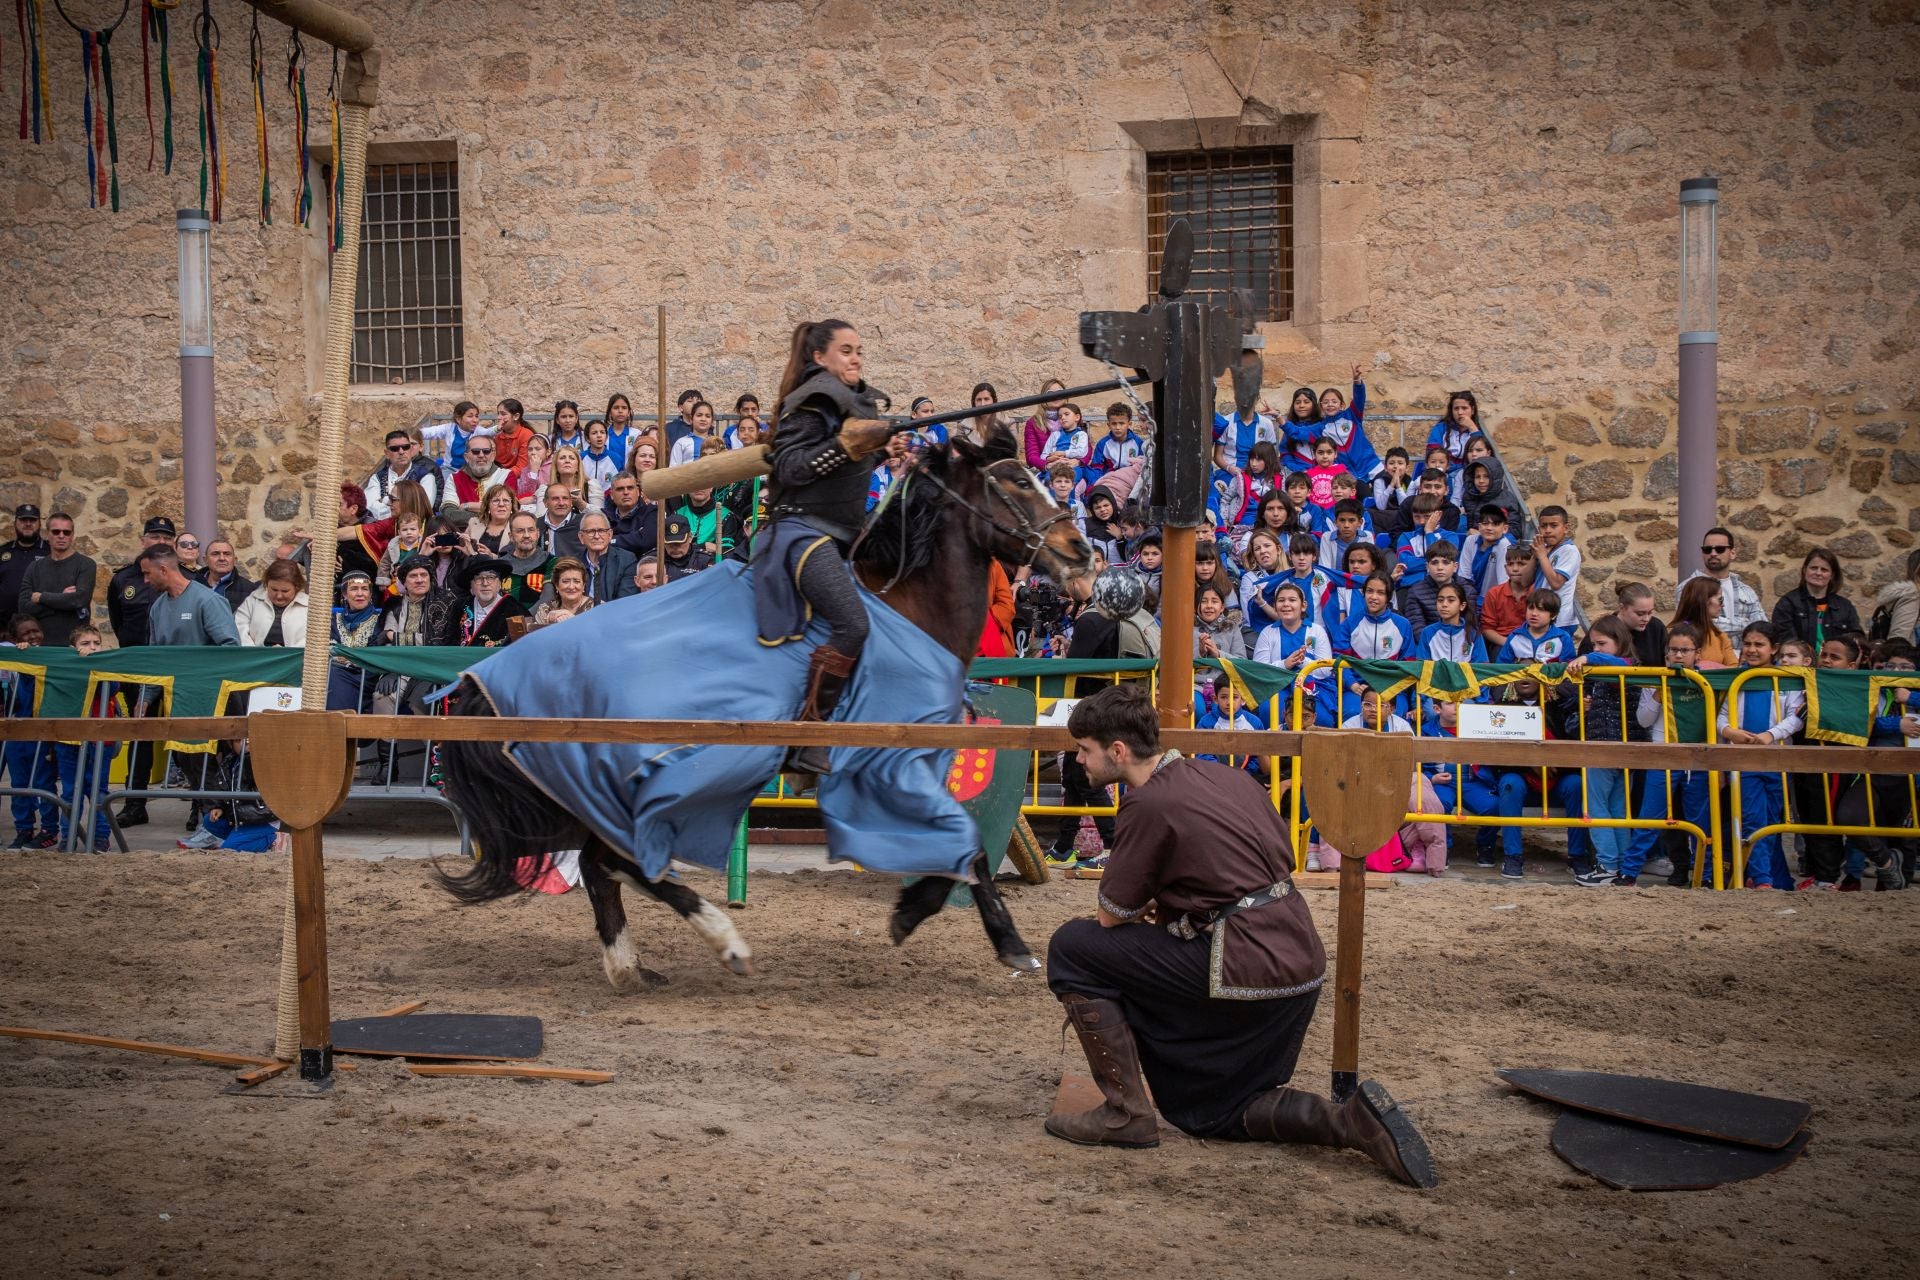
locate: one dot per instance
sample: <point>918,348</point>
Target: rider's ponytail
<point>809,337</point>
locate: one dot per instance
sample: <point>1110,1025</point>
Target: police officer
<point>26,547</point>
<point>129,601</point>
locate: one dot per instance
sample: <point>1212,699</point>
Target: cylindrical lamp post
<point>196,374</point>
<point>1699,366</point>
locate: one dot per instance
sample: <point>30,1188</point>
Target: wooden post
<point>1357,784</point>
<point>303,767</point>
<point>663,457</point>
<point>1176,627</point>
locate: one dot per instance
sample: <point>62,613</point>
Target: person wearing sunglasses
<point>57,589</point>
<point>187,547</point>
<point>1739,601</point>
<point>405,461</point>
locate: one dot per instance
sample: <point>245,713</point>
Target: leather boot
<point>1126,1118</point>
<point>827,673</point>
<point>133,813</point>
<point>1369,1122</point>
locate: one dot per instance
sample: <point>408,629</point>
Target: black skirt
<point>1204,1059</point>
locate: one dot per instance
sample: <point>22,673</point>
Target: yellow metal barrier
<point>1744,843</point>
<point>1300,825</point>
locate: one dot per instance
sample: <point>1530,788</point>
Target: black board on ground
<point>1749,1118</point>
<point>483,1037</point>
<point>1634,1157</point>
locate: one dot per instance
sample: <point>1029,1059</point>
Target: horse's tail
<point>509,816</point>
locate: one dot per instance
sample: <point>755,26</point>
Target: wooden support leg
<point>1176,629</point>
<point>1351,941</point>
<point>310,908</point>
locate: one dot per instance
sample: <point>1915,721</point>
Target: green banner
<point>197,680</point>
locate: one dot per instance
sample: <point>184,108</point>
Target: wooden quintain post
<point>1183,344</point>
<point>300,1024</point>
<point>1357,783</point>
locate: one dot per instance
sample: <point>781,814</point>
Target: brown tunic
<point>1196,837</point>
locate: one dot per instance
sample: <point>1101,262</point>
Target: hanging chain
<point>1146,417</point>
<point>1126,389</point>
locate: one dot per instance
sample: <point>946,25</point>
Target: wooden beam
<point>346,32</point>
<point>131,729</point>
<point>400,1010</point>
<point>1176,633</point>
<point>142,1046</point>
<point>1245,742</point>
<point>259,1075</point>
<point>476,1069</point>
<point>310,926</point>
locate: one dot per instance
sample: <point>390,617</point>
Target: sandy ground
<point>865,1110</point>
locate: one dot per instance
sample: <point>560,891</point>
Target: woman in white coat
<point>275,615</point>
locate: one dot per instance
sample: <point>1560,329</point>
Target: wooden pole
<point>663,458</point>
<point>1349,958</point>
<point>310,915</point>
<point>1176,627</point>
<point>303,766</point>
<point>1358,782</point>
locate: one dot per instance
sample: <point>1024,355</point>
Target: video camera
<point>1039,614</point>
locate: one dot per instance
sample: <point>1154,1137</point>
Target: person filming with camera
<point>1114,626</point>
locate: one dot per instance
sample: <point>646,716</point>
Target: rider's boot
<point>828,671</point>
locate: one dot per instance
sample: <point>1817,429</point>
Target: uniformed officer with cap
<point>27,546</point>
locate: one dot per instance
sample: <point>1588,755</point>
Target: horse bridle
<point>1028,534</point>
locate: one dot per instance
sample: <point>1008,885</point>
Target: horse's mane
<point>903,533</point>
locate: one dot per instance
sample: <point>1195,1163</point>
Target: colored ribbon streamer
<point>297,89</point>
<point>36,110</point>
<point>213,164</point>
<point>258,67</point>
<point>97,115</point>
<point>156,24</point>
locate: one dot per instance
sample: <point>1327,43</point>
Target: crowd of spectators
<point>1319,545</point>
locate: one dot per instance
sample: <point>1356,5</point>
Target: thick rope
<point>352,164</point>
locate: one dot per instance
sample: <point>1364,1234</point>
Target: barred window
<point>1240,205</point>
<point>407,305</point>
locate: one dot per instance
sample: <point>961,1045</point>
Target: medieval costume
<point>483,623</point>
<point>349,688</point>
<point>1207,979</point>
<point>817,500</point>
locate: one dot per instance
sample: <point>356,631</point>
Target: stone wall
<point>1485,197</point>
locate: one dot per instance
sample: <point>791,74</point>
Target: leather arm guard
<point>862,436</point>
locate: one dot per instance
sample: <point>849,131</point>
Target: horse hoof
<point>742,965</point>
<point>898,930</point>
<point>1022,963</point>
<point>650,978</point>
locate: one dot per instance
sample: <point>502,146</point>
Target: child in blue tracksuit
<point>95,759</point>
<point>1478,790</point>
<point>1664,791</point>
<point>1377,633</point>
<point>1410,549</point>
<point>1344,424</point>
<point>1766,716</point>
<point>1540,640</point>
<point>30,765</point>
<point>1349,530</point>
<point>1605,721</point>
<point>1453,638</point>
<point>1483,555</point>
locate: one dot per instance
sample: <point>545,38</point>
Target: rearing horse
<point>928,553</point>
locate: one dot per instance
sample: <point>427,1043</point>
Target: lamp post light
<point>1699,366</point>
<point>196,374</point>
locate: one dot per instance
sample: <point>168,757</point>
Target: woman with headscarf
<point>356,625</point>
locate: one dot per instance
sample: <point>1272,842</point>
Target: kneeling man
<point>1203,966</point>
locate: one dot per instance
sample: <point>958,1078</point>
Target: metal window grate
<point>406,308</point>
<point>1240,205</point>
